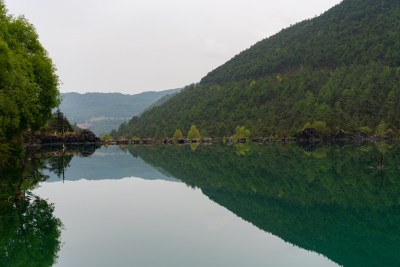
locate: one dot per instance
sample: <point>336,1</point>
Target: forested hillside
<point>340,69</point>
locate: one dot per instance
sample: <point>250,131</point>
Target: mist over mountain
<point>102,112</point>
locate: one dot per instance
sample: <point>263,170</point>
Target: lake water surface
<point>218,205</point>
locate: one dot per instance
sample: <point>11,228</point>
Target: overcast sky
<point>131,46</point>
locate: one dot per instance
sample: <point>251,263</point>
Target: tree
<point>193,133</point>
<point>60,123</point>
<point>381,128</point>
<point>59,163</point>
<point>241,132</point>
<point>178,135</point>
<point>28,83</point>
<point>317,125</point>
<point>106,137</point>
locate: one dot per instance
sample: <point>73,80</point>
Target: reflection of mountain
<point>329,201</point>
<point>109,163</point>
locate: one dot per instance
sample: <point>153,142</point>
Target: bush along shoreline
<point>308,135</point>
<point>242,136</point>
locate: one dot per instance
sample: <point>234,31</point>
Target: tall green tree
<point>28,83</point>
<point>60,123</point>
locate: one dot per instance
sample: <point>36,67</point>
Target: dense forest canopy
<point>354,32</point>
<point>341,69</point>
<point>28,83</point>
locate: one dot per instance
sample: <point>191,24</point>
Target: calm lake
<point>204,205</point>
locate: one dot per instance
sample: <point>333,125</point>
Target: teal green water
<point>218,205</point>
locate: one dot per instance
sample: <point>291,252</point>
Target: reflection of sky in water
<point>110,163</point>
<point>136,222</point>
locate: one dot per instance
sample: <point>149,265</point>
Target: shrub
<point>366,129</point>
<point>317,125</point>
<point>381,128</point>
<point>177,135</point>
<point>106,137</point>
<point>241,132</point>
<point>193,133</point>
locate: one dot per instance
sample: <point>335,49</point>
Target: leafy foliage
<point>193,133</point>
<point>366,129</point>
<point>177,135</point>
<point>241,132</point>
<point>106,137</point>
<point>28,83</point>
<point>318,125</point>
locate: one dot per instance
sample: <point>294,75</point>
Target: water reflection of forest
<point>340,201</point>
<point>30,234</point>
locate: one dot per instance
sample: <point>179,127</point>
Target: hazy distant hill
<point>340,69</point>
<point>102,112</point>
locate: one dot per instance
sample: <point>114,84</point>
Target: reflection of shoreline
<point>84,150</point>
<point>30,234</point>
<point>323,198</point>
<point>97,163</point>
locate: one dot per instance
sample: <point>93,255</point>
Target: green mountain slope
<point>103,112</point>
<point>352,33</point>
<point>341,68</point>
<point>162,100</point>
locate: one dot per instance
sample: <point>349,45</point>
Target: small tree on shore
<point>106,137</point>
<point>178,135</point>
<point>317,125</point>
<point>60,123</point>
<point>241,132</point>
<point>193,133</point>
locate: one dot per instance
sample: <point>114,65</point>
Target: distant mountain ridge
<point>337,70</point>
<point>102,112</point>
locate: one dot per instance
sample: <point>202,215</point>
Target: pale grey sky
<point>131,46</point>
